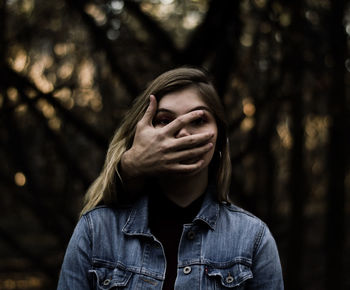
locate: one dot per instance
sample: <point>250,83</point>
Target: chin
<point>203,170</point>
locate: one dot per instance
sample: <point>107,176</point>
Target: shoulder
<point>237,212</point>
<point>246,224</point>
<point>105,210</point>
<point>106,215</point>
<point>250,226</point>
<point>99,210</point>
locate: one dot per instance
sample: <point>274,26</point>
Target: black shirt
<point>166,220</point>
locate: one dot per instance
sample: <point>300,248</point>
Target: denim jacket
<point>224,247</point>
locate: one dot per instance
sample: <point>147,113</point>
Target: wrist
<point>127,169</point>
<point>133,181</point>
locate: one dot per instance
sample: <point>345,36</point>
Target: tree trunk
<point>335,232</point>
<point>297,189</point>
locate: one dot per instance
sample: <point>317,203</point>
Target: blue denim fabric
<point>227,248</point>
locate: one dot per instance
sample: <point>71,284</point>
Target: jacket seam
<point>90,236</point>
<point>239,210</point>
<point>99,263</point>
<point>258,240</point>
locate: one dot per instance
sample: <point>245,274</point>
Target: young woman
<point>159,215</point>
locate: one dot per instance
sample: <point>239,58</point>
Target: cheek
<point>211,152</point>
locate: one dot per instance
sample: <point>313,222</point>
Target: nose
<point>183,132</point>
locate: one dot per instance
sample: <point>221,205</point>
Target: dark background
<point>70,69</point>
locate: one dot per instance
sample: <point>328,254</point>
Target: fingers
<point>191,155</point>
<point>187,168</point>
<point>190,141</point>
<point>151,111</point>
<point>182,121</point>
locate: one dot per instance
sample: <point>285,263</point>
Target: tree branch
<point>12,78</point>
<point>99,35</point>
<point>153,28</point>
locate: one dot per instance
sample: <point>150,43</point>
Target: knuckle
<point>164,148</point>
<point>159,137</point>
<point>192,140</point>
<point>180,121</point>
<point>162,134</point>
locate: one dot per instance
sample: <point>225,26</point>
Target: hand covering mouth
<point>191,161</point>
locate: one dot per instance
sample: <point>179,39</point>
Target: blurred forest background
<point>71,68</point>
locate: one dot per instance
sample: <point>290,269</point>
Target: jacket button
<point>106,282</point>
<point>187,270</point>
<point>229,279</point>
<point>191,235</point>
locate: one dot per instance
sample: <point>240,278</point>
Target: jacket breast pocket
<point>234,276</point>
<point>110,278</point>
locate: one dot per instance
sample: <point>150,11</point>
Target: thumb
<point>151,110</point>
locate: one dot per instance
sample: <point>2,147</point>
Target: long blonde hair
<point>104,189</point>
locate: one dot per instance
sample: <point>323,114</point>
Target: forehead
<point>182,100</point>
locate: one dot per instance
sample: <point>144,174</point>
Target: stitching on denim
<point>258,240</point>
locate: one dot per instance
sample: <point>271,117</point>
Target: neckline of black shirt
<point>166,220</point>
<point>162,208</point>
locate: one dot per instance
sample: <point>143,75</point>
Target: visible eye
<point>161,121</point>
<point>199,121</point>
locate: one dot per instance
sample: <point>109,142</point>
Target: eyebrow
<point>204,108</point>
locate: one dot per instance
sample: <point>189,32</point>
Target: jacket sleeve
<point>266,268</point>
<point>77,260</point>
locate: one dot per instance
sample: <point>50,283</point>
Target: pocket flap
<point>231,276</point>
<point>108,278</point>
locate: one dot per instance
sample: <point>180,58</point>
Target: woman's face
<point>178,103</point>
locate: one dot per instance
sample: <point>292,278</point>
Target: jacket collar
<point>137,223</point>
<point>209,212</point>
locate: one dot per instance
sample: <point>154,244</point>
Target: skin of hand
<point>156,151</point>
